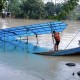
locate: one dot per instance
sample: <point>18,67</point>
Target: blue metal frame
<point>9,34</point>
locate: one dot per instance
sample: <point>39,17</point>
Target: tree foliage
<point>33,8</point>
<point>58,8</point>
<point>50,9</point>
<point>1,4</point>
<point>14,8</point>
<point>68,6</point>
<point>36,9</point>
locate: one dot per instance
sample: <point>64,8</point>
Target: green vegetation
<point>75,14</point>
<point>15,8</point>
<point>36,9</point>
<point>1,4</point>
<point>33,8</point>
<point>68,6</point>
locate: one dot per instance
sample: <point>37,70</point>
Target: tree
<point>1,4</point>
<point>75,14</point>
<point>14,8</point>
<point>68,6</point>
<point>58,8</point>
<point>33,8</point>
<point>50,9</point>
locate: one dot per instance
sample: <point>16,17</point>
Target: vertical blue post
<point>4,41</point>
<point>37,39</point>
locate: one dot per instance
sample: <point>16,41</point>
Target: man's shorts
<point>57,42</point>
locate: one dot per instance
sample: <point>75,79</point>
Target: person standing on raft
<point>57,40</point>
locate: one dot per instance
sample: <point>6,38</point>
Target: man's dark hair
<point>53,31</point>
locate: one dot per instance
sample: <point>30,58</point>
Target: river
<point>25,66</point>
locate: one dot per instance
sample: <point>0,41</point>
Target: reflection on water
<point>8,73</point>
<point>18,63</point>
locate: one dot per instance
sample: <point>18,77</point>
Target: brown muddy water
<point>20,66</point>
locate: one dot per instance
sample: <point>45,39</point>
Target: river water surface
<point>21,65</point>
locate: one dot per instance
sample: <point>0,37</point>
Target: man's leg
<point>56,47</point>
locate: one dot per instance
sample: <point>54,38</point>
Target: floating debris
<point>78,73</point>
<point>73,73</point>
<point>70,64</point>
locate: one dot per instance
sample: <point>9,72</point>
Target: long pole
<point>72,39</point>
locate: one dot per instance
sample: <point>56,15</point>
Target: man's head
<point>53,31</point>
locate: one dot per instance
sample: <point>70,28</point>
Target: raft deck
<point>62,52</point>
